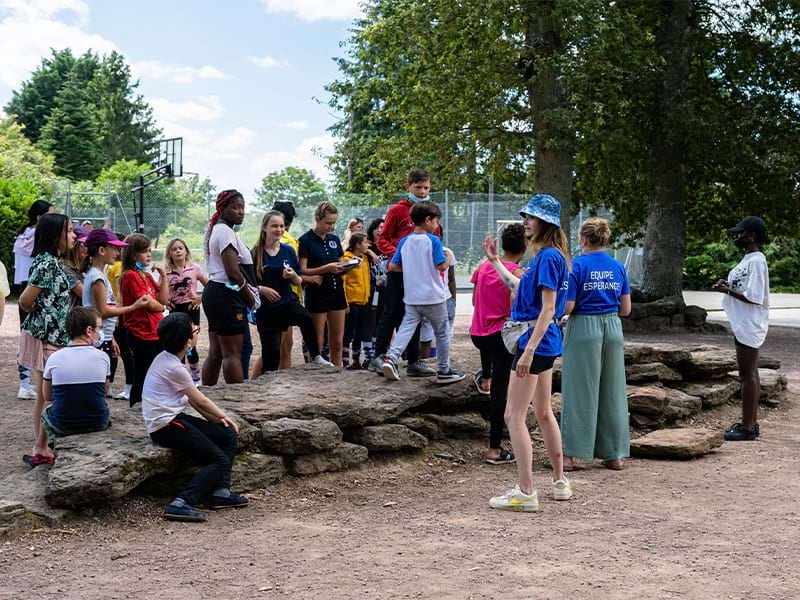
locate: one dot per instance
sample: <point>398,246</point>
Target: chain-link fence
<point>466,218</point>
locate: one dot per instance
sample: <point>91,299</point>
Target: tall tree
<point>294,184</point>
<point>70,134</point>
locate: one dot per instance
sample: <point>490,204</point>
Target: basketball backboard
<point>170,154</point>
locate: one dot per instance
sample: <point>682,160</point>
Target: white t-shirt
<point>749,322</point>
<point>424,283</point>
<point>23,248</point>
<point>92,275</point>
<point>223,236</point>
<point>162,396</point>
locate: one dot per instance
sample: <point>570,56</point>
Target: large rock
<point>694,316</point>
<point>773,386</point>
<point>391,436</point>
<point>344,456</point>
<point>708,363</point>
<point>299,436</point>
<point>681,405</point>
<point>423,426</point>
<point>253,471</point>
<point>650,372</point>
<point>714,393</point>
<point>22,503</point>
<point>348,398</point>
<point>668,354</point>
<point>646,400</point>
<point>464,425</point>
<point>676,443</point>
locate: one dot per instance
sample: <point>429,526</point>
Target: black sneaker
<point>447,377</point>
<point>390,371</point>
<point>419,369</point>
<point>187,513</point>
<point>740,433</point>
<point>232,501</point>
<point>735,426</point>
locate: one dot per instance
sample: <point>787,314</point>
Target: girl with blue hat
<point>540,298</point>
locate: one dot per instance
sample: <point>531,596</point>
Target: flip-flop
<point>504,458</point>
<point>478,378</point>
<point>38,459</point>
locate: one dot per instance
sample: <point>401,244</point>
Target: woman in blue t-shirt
<point>277,270</point>
<point>540,296</point>
<point>594,404</point>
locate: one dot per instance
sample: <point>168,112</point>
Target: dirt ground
<point>725,526</point>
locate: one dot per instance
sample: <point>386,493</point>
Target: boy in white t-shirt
<point>424,263</point>
<point>210,442</point>
<point>746,305</point>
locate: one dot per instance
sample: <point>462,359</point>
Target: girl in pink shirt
<point>492,306</point>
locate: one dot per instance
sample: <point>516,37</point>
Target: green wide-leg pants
<point>594,403</point>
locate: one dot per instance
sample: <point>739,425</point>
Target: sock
<point>367,350</point>
<point>24,377</point>
<point>178,503</point>
<point>221,493</point>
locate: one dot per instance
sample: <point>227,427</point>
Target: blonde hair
<point>596,232</point>
<point>551,236</point>
<point>169,264</point>
<point>258,249</point>
<point>324,209</point>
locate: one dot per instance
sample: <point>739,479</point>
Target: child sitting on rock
<point>210,442</point>
<point>74,380</point>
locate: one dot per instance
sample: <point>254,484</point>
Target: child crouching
<point>210,442</point>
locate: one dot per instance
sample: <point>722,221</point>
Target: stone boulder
<point>392,436</point>
<point>253,471</point>
<point>707,363</point>
<point>667,354</point>
<point>299,436</point>
<point>714,393</point>
<point>464,425</point>
<point>423,426</point>
<point>22,502</point>
<point>681,405</point>
<point>679,444</point>
<point>651,372</point>
<point>694,316</point>
<point>646,400</point>
<point>773,386</point>
<point>344,456</point>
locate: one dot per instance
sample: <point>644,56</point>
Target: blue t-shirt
<point>547,269</point>
<point>271,275</point>
<point>596,283</point>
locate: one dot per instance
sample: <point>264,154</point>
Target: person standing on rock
<point>210,441</point>
<point>746,304</point>
<point>541,295</point>
<point>594,403</point>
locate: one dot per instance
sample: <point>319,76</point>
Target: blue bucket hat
<point>545,207</point>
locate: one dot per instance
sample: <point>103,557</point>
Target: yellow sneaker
<point>516,500</point>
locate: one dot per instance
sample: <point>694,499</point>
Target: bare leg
<point>40,435</point>
<point>287,342</point>
<point>747,360</point>
<point>231,348</point>
<point>257,370</point>
<point>213,361</point>
<point>335,335</point>
<point>520,393</point>
<point>547,422</point>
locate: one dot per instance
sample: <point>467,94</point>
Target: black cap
<point>753,225</point>
<point>285,207</point>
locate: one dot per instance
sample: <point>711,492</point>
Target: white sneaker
<point>516,500</point>
<point>562,489</point>
<point>123,395</point>
<point>26,393</point>
<point>320,360</point>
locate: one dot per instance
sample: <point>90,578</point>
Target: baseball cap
<point>545,207</point>
<point>753,225</point>
<point>101,237</point>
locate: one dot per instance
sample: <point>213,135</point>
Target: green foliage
<point>21,159</point>
<point>16,196</point>
<point>292,183</point>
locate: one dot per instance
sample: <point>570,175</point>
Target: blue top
<point>596,283</point>
<point>548,269</point>
<point>78,378</point>
<point>271,276</point>
<point>319,252</point>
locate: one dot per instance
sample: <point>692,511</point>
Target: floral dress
<point>47,322</point>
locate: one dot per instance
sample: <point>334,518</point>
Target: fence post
<point>491,228</point>
<point>471,225</point>
<point>446,217</point>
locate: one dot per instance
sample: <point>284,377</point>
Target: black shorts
<point>539,364</point>
<point>741,345</point>
<point>186,307</point>
<point>325,299</point>
<point>225,310</point>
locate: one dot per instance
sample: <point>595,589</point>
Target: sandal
<point>478,379</point>
<point>38,459</point>
<point>568,464</point>
<point>614,465</point>
<point>505,457</point>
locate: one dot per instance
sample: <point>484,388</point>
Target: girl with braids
<point>540,298</point>
<point>320,254</point>
<point>227,295</point>
<point>278,275</point>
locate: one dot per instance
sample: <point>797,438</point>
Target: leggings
<point>144,353</point>
<point>108,348</point>
<point>355,327</point>
<point>495,363</point>
<point>273,321</point>
<point>121,335</point>
<point>193,356</point>
<point>211,445</point>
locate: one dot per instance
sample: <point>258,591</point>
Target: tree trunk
<point>665,236</point>
<point>555,138</point>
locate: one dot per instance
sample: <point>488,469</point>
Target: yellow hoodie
<point>356,281</point>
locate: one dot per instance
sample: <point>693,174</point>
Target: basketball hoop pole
<point>169,163</point>
<point>162,173</point>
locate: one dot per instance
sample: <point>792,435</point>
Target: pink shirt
<point>183,284</point>
<point>492,299</point>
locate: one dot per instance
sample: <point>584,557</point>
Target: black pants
<point>210,445</point>
<point>273,321</point>
<point>193,356</point>
<point>356,327</point>
<point>121,335</point>
<point>393,314</point>
<point>108,348</point>
<point>495,363</point>
<point>144,353</point>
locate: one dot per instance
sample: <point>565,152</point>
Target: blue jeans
<point>437,315</point>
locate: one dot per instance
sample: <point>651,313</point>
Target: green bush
<point>16,196</point>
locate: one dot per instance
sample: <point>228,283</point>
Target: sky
<point>241,81</point>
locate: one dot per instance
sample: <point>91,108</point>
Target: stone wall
<point>667,313</point>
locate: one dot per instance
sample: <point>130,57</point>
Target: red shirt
<point>142,323</point>
<point>398,224</point>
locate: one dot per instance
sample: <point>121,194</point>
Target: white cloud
<point>154,69</point>
<point>203,108</point>
<point>28,31</point>
<point>240,137</point>
<point>299,124</point>
<point>316,10</point>
<point>311,154</point>
<point>268,62</point>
